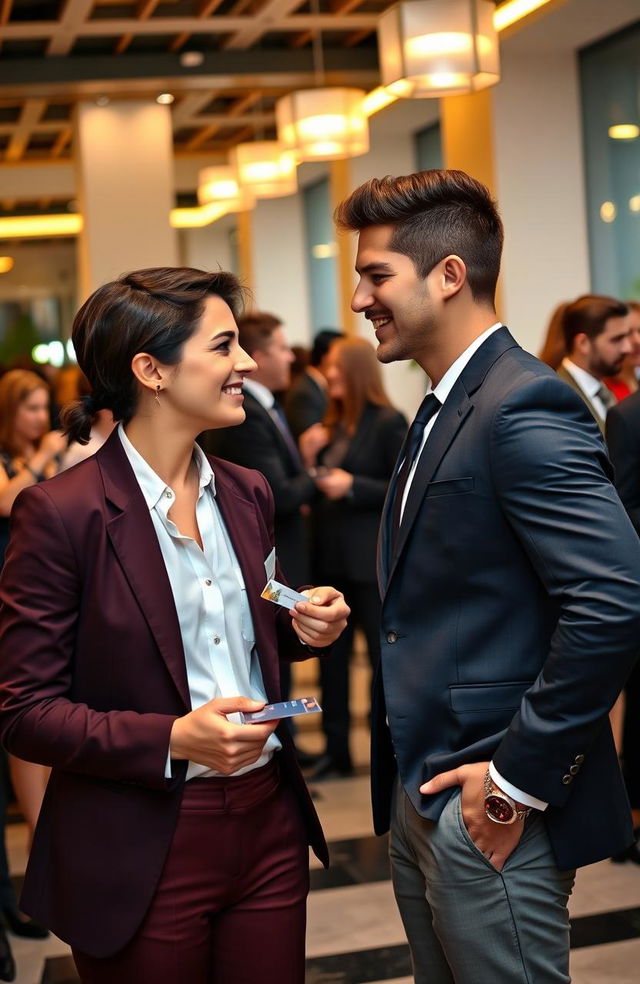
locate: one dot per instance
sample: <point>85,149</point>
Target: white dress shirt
<point>441,391</point>
<point>589,385</point>
<point>210,598</point>
<point>262,394</point>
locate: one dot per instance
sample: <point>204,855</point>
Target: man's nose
<point>361,300</point>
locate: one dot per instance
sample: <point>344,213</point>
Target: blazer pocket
<point>471,698</point>
<point>451,486</point>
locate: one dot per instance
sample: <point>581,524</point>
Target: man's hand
<point>207,737</point>
<point>320,621</point>
<point>335,484</point>
<point>496,841</point>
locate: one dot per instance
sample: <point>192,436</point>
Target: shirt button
<point>216,640</point>
<point>168,494</point>
<point>392,637</point>
<point>208,582</point>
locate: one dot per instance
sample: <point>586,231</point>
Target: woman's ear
<point>147,371</point>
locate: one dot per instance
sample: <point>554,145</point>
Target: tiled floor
<point>355,935</point>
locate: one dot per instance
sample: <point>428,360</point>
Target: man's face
<point>633,324</point>
<point>393,296</point>
<point>274,362</point>
<point>607,351</point>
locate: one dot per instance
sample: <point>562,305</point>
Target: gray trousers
<point>468,923</point>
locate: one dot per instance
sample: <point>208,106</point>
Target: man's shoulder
<point>627,409</point>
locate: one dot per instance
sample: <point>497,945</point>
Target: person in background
<point>306,400</point>
<point>132,632</point>
<point>363,435</point>
<point>626,382</point>
<point>29,453</point>
<point>623,442</point>
<point>597,342</point>
<point>553,349</point>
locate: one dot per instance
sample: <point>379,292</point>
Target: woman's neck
<point>168,451</point>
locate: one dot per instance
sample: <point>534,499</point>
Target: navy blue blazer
<point>511,606</point>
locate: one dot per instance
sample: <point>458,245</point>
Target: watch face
<point>499,809</point>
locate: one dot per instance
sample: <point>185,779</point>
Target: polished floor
<point>355,935</point>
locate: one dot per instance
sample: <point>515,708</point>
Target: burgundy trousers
<point>230,907</point>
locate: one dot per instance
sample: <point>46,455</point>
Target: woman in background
<point>361,440</point>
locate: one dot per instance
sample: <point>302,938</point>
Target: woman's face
<point>32,416</point>
<point>205,388</point>
<point>335,377</point>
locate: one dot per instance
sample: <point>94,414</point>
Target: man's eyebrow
<point>376,265</point>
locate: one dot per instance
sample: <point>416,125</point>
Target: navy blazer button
<point>579,759</point>
<point>566,780</point>
<point>574,770</point>
<point>392,637</point>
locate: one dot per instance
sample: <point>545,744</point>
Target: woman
<point>29,453</point>
<point>362,438</point>
<point>132,632</point>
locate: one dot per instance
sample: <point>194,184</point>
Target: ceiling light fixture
<point>433,48</point>
<point>219,185</point>
<point>265,169</point>
<point>165,98</point>
<point>624,131</point>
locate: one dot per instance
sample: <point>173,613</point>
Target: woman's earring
<point>157,395</point>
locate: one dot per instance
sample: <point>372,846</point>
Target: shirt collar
<point>454,371</point>
<point>151,485</point>
<point>587,383</point>
<point>260,392</point>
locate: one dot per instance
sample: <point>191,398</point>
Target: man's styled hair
<point>588,315</point>
<point>255,330</point>
<point>434,213</point>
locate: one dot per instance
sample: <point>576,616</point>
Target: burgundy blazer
<point>92,676</point>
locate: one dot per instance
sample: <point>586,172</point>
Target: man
<point>306,401</point>
<point>264,441</point>
<point>623,440</point>
<point>597,340</point>
<point>510,605</point>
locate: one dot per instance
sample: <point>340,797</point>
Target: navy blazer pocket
<point>471,698</point>
<point>451,486</point>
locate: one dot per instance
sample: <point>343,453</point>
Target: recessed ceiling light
<point>102,100</point>
<point>191,59</point>
<point>165,98</point>
<point>624,131</point>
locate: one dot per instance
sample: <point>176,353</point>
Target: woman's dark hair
<point>588,315</point>
<point>154,311</point>
<point>433,214</point>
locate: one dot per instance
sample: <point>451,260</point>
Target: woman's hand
<point>52,444</point>
<point>207,737</point>
<point>335,484</point>
<point>322,619</point>
<point>311,442</point>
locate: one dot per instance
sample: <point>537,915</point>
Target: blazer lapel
<point>136,546</point>
<point>241,521</point>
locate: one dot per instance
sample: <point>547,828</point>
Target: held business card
<point>280,594</point>
<point>285,709</point>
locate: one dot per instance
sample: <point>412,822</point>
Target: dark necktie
<point>278,416</point>
<point>429,406</point>
<point>606,397</point>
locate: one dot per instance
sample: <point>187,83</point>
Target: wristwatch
<point>498,806</point>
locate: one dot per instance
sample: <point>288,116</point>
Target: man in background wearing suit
<point>264,441</point>
<point>509,575</point>
<point>306,402</point>
<point>597,338</point>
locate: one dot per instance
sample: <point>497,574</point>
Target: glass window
<point>321,255</point>
<point>428,147</point>
<point>610,77</point>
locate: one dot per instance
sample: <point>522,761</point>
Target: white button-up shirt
<point>589,385</point>
<point>210,597</point>
<point>441,391</point>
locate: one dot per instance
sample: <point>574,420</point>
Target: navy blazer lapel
<point>454,412</point>
<point>136,546</point>
<point>241,521</point>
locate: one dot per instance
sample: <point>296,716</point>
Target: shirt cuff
<point>168,774</point>
<point>514,792</point>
